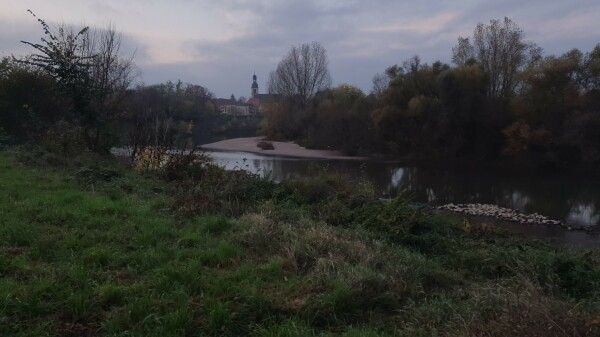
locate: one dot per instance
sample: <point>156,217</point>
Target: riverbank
<point>281,149</point>
<point>90,248</point>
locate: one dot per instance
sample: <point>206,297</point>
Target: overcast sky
<point>219,44</point>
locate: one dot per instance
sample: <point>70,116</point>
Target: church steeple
<point>254,86</point>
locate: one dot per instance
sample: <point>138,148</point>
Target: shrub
<point>265,145</point>
<point>577,276</point>
<point>334,213</point>
<point>90,174</point>
<point>5,138</point>
<point>395,218</point>
<point>208,188</point>
<point>182,165</point>
<point>325,187</point>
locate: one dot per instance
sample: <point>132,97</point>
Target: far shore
<point>282,149</point>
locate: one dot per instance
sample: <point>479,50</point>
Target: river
<point>572,199</point>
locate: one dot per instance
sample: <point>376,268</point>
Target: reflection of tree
<point>584,214</point>
<point>558,196</point>
<point>565,198</point>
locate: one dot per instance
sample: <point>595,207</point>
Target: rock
<point>499,213</point>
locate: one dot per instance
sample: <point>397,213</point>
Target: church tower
<point>254,86</point>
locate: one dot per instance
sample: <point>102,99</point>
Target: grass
<point>91,249</point>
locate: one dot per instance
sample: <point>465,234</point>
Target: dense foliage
<point>502,99</point>
<point>77,92</point>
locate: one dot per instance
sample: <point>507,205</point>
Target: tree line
<point>501,99</point>
<point>78,92</point>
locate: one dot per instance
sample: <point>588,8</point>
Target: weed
<point>111,295</point>
<point>287,328</point>
<point>219,317</point>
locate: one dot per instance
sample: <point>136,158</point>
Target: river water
<point>572,199</point>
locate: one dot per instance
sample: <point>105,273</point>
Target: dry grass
<point>341,271</point>
<point>521,307</point>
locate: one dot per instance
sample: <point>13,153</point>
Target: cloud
<point>422,26</point>
<point>573,26</point>
<point>218,44</point>
<point>12,32</point>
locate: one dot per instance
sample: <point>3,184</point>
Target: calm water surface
<point>573,200</point>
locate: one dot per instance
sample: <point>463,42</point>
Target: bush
<point>89,174</point>
<point>265,145</point>
<point>184,165</point>
<point>395,218</point>
<point>325,187</point>
<point>208,188</point>
<point>5,138</point>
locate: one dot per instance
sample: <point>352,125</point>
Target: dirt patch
<point>14,251</point>
<point>75,330</point>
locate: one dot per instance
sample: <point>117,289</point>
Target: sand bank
<point>282,149</point>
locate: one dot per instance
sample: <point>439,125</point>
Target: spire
<point>254,87</point>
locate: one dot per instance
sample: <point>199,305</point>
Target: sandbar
<point>282,149</point>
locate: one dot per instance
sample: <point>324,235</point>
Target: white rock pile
<point>500,213</point>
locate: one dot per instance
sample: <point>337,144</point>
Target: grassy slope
<point>110,260</point>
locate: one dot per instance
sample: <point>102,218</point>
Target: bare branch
<point>301,73</point>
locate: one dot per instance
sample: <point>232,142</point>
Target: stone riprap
<point>501,213</point>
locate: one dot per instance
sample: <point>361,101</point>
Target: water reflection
<point>573,200</point>
<point>584,213</point>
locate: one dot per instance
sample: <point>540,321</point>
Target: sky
<point>219,44</point>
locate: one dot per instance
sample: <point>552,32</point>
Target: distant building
<point>257,103</point>
<point>254,86</point>
<point>234,108</point>
<point>261,101</point>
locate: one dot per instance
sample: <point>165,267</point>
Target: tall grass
<point>89,248</point>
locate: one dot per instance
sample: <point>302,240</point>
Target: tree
<point>500,50</point>
<point>591,70</point>
<point>110,77</point>
<point>301,73</point>
<point>89,69</point>
<point>462,92</point>
<point>61,55</point>
<point>463,53</point>
<point>342,121</point>
<point>28,101</point>
<point>408,120</point>
<point>381,83</point>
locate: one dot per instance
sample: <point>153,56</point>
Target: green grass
<point>84,253</point>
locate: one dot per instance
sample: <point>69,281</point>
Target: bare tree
<point>301,73</point>
<point>463,52</point>
<point>111,73</point>
<point>380,85</point>
<point>111,76</point>
<point>501,51</point>
<point>499,48</point>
